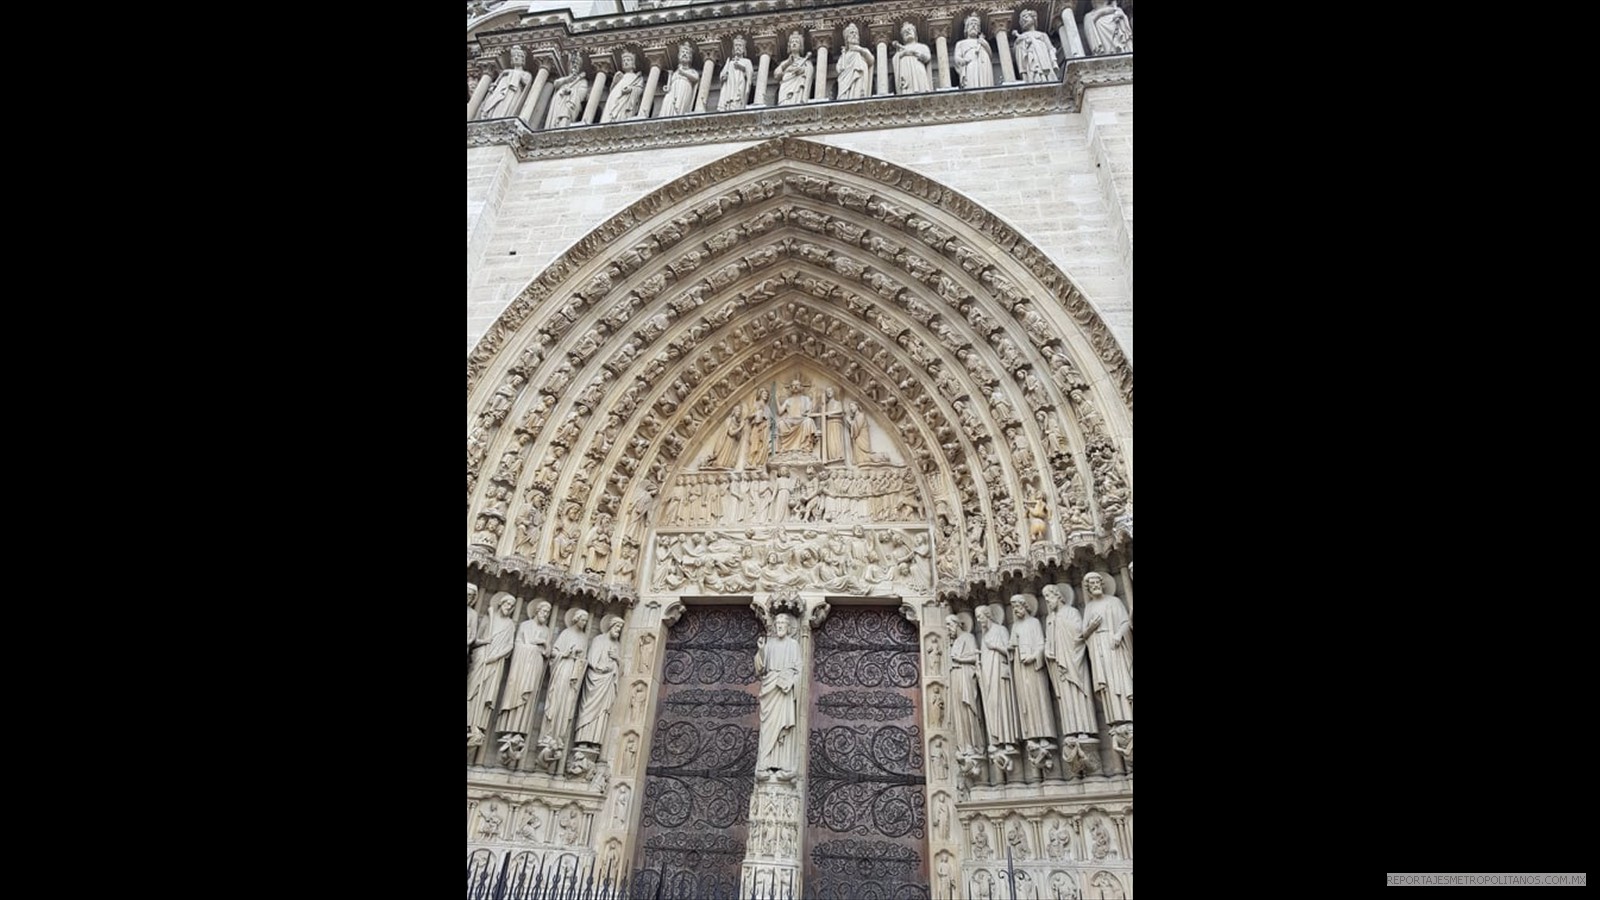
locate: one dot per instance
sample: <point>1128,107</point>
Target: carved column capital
<point>656,54</point>
<point>766,42</point>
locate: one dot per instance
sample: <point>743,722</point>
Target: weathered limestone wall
<point>1065,181</point>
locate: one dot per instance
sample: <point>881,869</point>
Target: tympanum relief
<point>793,488</point>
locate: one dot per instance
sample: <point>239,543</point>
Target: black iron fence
<point>527,876</point>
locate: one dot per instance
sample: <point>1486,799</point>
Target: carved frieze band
<point>769,122</point>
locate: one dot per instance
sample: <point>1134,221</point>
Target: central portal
<point>866,827</point>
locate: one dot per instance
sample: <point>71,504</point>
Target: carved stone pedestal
<point>772,860</point>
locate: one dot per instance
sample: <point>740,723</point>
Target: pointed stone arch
<point>1003,386</point>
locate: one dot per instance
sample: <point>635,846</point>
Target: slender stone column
<point>1002,37</point>
<point>595,95</point>
<point>821,43</point>
<point>478,94</point>
<point>1071,40</point>
<point>708,52</point>
<point>882,34</point>
<point>656,56</point>
<point>940,27</point>
<point>761,80</point>
<point>534,90</point>
<point>766,44</point>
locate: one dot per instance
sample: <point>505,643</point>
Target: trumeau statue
<point>736,77</point>
<point>567,664</point>
<point>1031,681</point>
<point>911,63</point>
<point>489,660</point>
<point>1036,58</point>
<point>1106,629</point>
<point>571,91</point>
<point>972,59</point>
<point>681,85</point>
<point>623,101</point>
<point>600,683</point>
<point>794,74</point>
<point>1068,658</point>
<point>505,98</point>
<point>529,659</point>
<point>778,664</point>
<point>854,69</point>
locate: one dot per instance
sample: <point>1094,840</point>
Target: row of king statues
<point>575,674</point>
<point>1106,28</point>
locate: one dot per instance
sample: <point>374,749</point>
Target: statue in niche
<point>983,885</point>
<point>600,683</point>
<point>964,697</point>
<point>623,101</point>
<point>1061,888</point>
<point>1106,629</point>
<point>730,440</point>
<point>1067,656</point>
<point>528,661</point>
<point>947,879</point>
<point>854,69</point>
<point>994,677</point>
<point>505,98</point>
<point>832,415</point>
<point>778,663</point>
<point>1038,511</point>
<point>911,63</point>
<point>940,760</point>
<point>972,59</point>
<point>736,76</point>
<point>597,544</point>
<point>1036,58</point>
<point>794,74</point>
<point>1102,840</point>
<point>472,616</point>
<point>568,823</point>
<point>1108,30</point>
<point>630,754</point>
<point>1016,841</point>
<point>682,84</point>
<point>572,91</point>
<point>1029,678</point>
<point>567,662</point>
<point>1026,889</point>
<point>489,661</point>
<point>636,702</point>
<point>760,437</point>
<point>980,840</point>
<point>796,430</point>
<point>1060,841</point>
<point>529,830</point>
<point>489,821</point>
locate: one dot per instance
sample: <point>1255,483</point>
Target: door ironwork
<point>866,825</point>
<point>702,758</point>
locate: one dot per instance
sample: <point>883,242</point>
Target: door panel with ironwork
<point>866,828</point>
<point>702,757</point>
